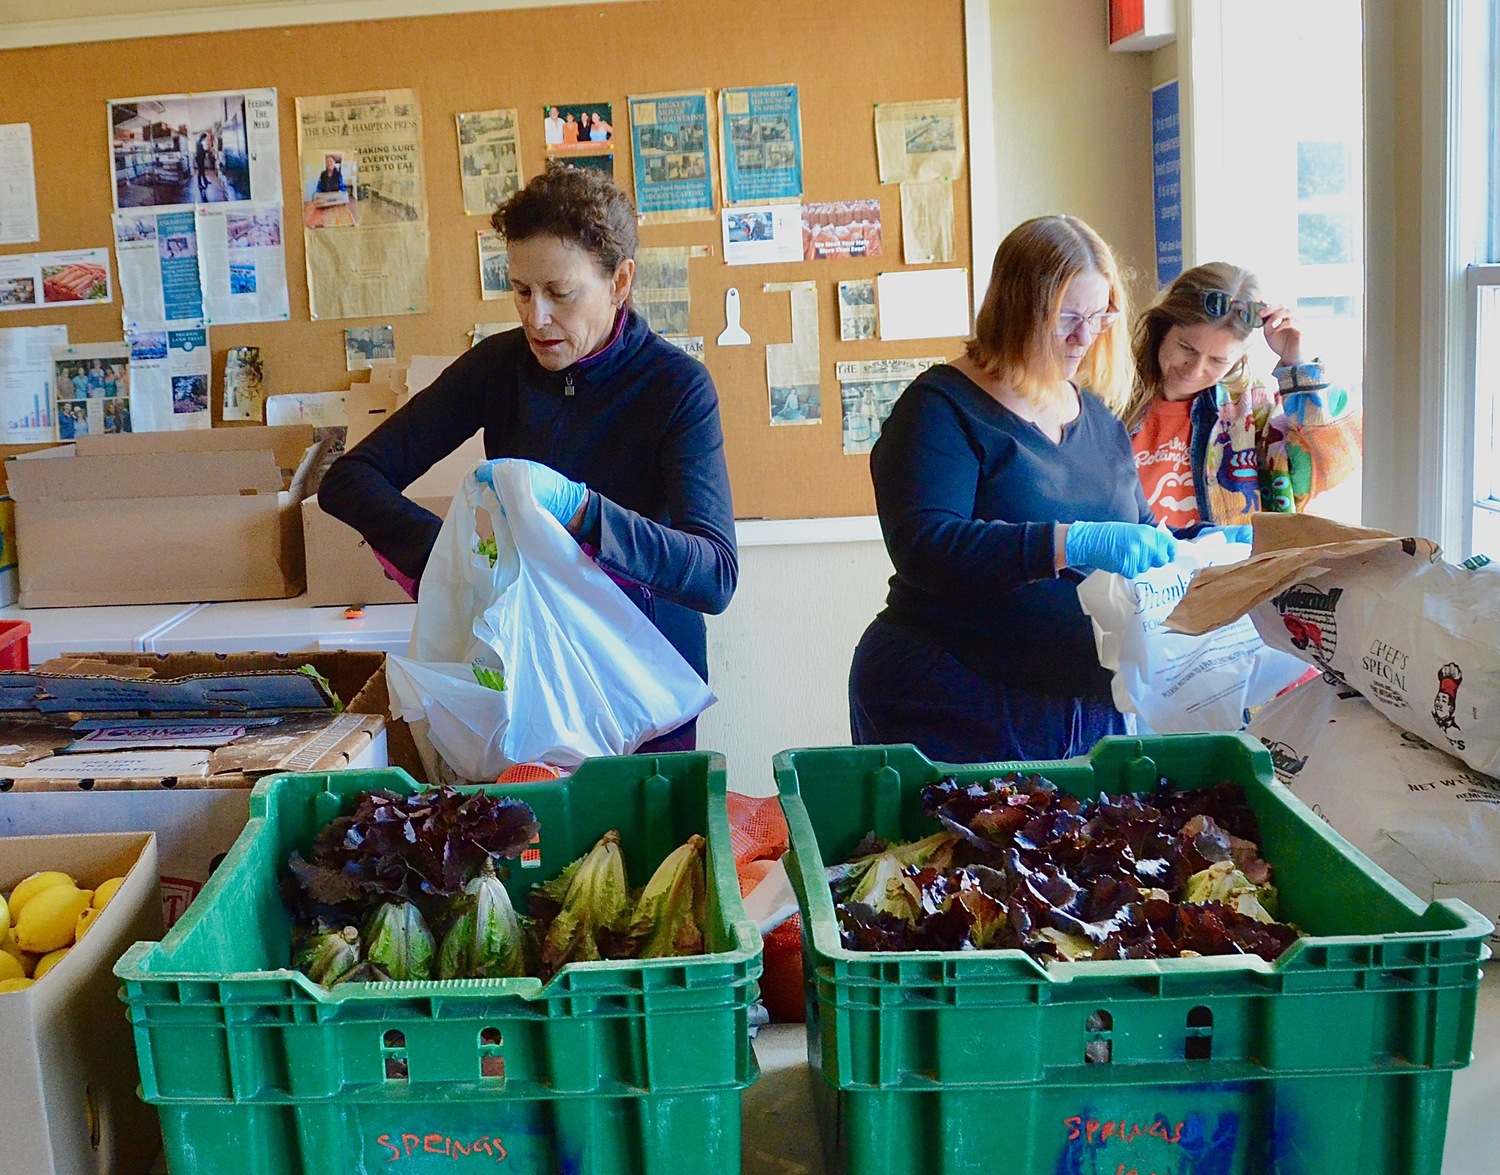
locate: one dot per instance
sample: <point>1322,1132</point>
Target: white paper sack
<point>586,672</point>
<point>1418,637</point>
<point>1420,814</point>
<point>1181,684</point>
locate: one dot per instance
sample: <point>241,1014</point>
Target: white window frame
<point>1482,378</point>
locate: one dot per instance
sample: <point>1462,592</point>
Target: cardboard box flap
<point>1285,547</point>
<point>148,475</point>
<point>210,694</point>
<point>287,441</point>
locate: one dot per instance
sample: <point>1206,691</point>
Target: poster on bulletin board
<point>671,141</point>
<point>762,135</point>
<point>1166,180</point>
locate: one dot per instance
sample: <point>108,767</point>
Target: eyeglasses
<point>1070,324</point>
<point>1219,304</point>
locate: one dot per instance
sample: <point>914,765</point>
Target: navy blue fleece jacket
<point>638,423</point>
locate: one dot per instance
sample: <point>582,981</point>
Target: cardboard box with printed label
<point>155,518</point>
<point>219,722</point>
<point>341,568</point>
<point>68,1101</point>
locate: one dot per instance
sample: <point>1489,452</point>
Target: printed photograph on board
<point>578,127</point>
<point>330,193</point>
<point>365,346</point>
<point>181,150</point>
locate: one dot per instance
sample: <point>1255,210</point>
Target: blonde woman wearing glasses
<point>999,478</point>
<point>1213,444</point>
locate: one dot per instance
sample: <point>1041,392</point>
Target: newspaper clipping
<point>671,139</point>
<point>842,228</point>
<point>244,384</point>
<point>688,345</point>
<point>18,218</point>
<point>869,389</point>
<point>91,389</point>
<point>494,266</point>
<point>170,370</point>
<point>792,368</point>
<point>367,346</point>
<point>186,150</point>
<point>919,140</point>
<point>927,222</point>
<point>489,159</point>
<point>857,310</point>
<point>660,291</point>
<point>27,405</point>
<point>762,136</point>
<point>364,204</point>
<point>78,277</point>
<point>483,330</point>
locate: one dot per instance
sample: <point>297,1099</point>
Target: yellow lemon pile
<point>41,919</point>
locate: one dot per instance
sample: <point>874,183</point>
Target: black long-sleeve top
<point>969,497</point>
<point>638,423</point>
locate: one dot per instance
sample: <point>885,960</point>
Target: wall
<point>779,657</point>
<point>1072,127</point>
<point>1393,260</point>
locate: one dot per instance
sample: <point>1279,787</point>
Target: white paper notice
<point>18,221</point>
<point>924,304</point>
<point>170,376</point>
<point>319,409</point>
<point>115,765</point>
<point>26,383</point>
<point>762,235</point>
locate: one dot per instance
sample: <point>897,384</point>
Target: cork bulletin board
<point>845,55</point>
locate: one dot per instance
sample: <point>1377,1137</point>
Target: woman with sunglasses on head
<point>1212,444</point>
<point>999,477</point>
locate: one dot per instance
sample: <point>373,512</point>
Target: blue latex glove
<point>554,493</point>
<point>1126,548</point>
<point>1232,534</point>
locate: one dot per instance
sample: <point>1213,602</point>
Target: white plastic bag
<point>1416,811</point>
<point>585,672</point>
<point>1181,684</point>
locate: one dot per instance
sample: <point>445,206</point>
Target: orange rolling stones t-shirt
<point>1164,462</point>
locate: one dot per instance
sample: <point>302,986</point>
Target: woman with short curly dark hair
<point>619,429</point>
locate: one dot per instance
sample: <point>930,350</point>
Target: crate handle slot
<point>491,1060</point>
<point>1098,1038</point>
<point>393,1053</point>
<point>1199,1045</point>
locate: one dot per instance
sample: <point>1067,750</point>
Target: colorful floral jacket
<point>1271,448</point>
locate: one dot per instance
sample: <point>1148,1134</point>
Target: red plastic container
<point>15,644</point>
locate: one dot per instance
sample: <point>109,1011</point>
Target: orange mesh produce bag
<point>758,834</point>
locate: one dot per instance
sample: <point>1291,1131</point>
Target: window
<point>1484,321</point>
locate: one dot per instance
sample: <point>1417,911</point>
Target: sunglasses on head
<point>1219,304</point>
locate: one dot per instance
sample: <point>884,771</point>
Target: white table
<point>114,629</point>
<point>284,626</point>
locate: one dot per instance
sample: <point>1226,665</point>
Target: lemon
<point>37,883</point>
<point>49,920</point>
<point>10,967</point>
<point>4,915</point>
<point>8,945</point>
<point>106,891</point>
<point>48,961</point>
<point>86,918</point>
<point>15,984</point>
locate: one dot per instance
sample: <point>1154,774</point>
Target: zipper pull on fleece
<point>567,383</point>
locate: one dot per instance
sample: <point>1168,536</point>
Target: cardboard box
<point>341,568</point>
<point>10,581</point>
<point>68,1102</point>
<point>196,820</point>
<point>155,518</point>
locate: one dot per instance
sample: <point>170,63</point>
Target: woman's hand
<point>1283,335</point>
<point>1126,548</point>
<point>554,493</point>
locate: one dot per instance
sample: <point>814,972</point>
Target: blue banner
<point>177,247</point>
<point>1166,180</point>
<point>762,133</point>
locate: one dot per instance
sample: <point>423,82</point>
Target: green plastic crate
<point>619,1068</point>
<point>1335,1059</point>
